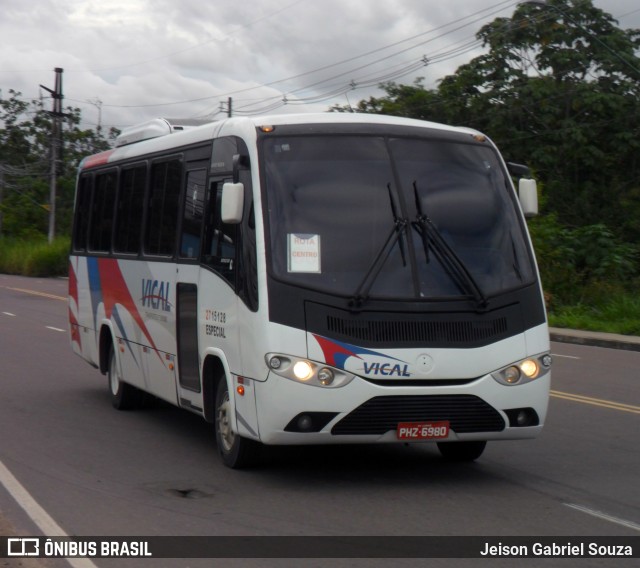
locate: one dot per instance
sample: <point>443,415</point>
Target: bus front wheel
<point>461,451</point>
<point>236,452</point>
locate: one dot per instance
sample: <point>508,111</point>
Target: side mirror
<point>232,204</point>
<point>528,194</point>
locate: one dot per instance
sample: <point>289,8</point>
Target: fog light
<point>302,370</point>
<point>546,361</point>
<point>512,375</point>
<point>529,368</point>
<point>305,423</point>
<point>325,376</point>
<point>522,417</point>
<point>275,363</point>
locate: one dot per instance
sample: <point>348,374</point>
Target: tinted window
<point>164,198</point>
<point>220,245</point>
<point>223,151</point>
<point>102,212</point>
<point>129,210</point>
<point>344,217</point>
<point>462,190</point>
<point>82,213</point>
<point>193,214</point>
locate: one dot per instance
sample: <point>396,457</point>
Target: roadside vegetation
<point>589,275</point>
<point>35,257</point>
<point>557,89</point>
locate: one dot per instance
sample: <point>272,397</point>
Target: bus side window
<point>193,214</point>
<point>82,213</point>
<point>220,245</point>
<point>102,212</point>
<point>130,209</point>
<point>164,198</point>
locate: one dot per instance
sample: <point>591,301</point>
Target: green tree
<point>558,89</point>
<point>25,145</point>
<point>410,101</point>
<point>560,84</point>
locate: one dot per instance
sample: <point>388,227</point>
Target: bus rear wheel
<point>123,395</point>
<point>236,452</point>
<point>461,451</point>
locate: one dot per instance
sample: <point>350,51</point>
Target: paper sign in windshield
<point>303,252</point>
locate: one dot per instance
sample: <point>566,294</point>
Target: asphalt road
<point>97,471</point>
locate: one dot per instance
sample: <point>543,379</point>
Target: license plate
<point>423,430</point>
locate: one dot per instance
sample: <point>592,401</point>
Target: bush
<point>582,265</point>
<point>35,257</point>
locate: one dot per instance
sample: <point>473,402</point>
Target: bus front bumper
<point>362,412</point>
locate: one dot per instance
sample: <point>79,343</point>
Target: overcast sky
<point>126,61</point>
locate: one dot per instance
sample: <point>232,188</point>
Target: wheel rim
<point>226,435</point>
<point>114,380</point>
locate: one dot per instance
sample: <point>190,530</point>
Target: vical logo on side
<point>155,295</point>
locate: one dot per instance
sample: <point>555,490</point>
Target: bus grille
<point>465,413</point>
<point>417,331</point>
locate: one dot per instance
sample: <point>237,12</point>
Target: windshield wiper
<point>453,264</point>
<point>396,235</point>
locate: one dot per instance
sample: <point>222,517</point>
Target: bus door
<point>189,386</point>
<point>229,300</point>
<point>218,282</point>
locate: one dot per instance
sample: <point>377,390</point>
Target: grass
<point>35,257</point>
<point>617,314</point>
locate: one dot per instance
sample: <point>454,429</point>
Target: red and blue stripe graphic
<point>336,353</point>
<point>108,286</point>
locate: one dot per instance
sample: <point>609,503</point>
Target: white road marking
<point>565,356</point>
<point>9,314</point>
<point>55,328</point>
<point>604,516</point>
<point>37,514</point>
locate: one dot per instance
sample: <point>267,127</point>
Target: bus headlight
<point>530,368</point>
<point>326,376</point>
<point>524,371</point>
<point>511,375</point>
<point>307,372</point>
<point>303,370</point>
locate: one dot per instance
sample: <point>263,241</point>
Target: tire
<point>461,451</point>
<point>123,395</point>
<point>236,452</point>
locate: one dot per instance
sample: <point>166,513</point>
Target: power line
<point>331,87</point>
<point>477,16</point>
<point>346,87</point>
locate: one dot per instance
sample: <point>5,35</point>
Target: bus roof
<point>163,134</point>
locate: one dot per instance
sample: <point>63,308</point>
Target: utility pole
<point>229,106</point>
<point>1,194</point>
<point>56,147</point>
<point>98,104</point>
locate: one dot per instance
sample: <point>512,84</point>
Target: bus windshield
<point>392,217</point>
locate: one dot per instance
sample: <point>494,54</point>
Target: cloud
<point>137,56</point>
